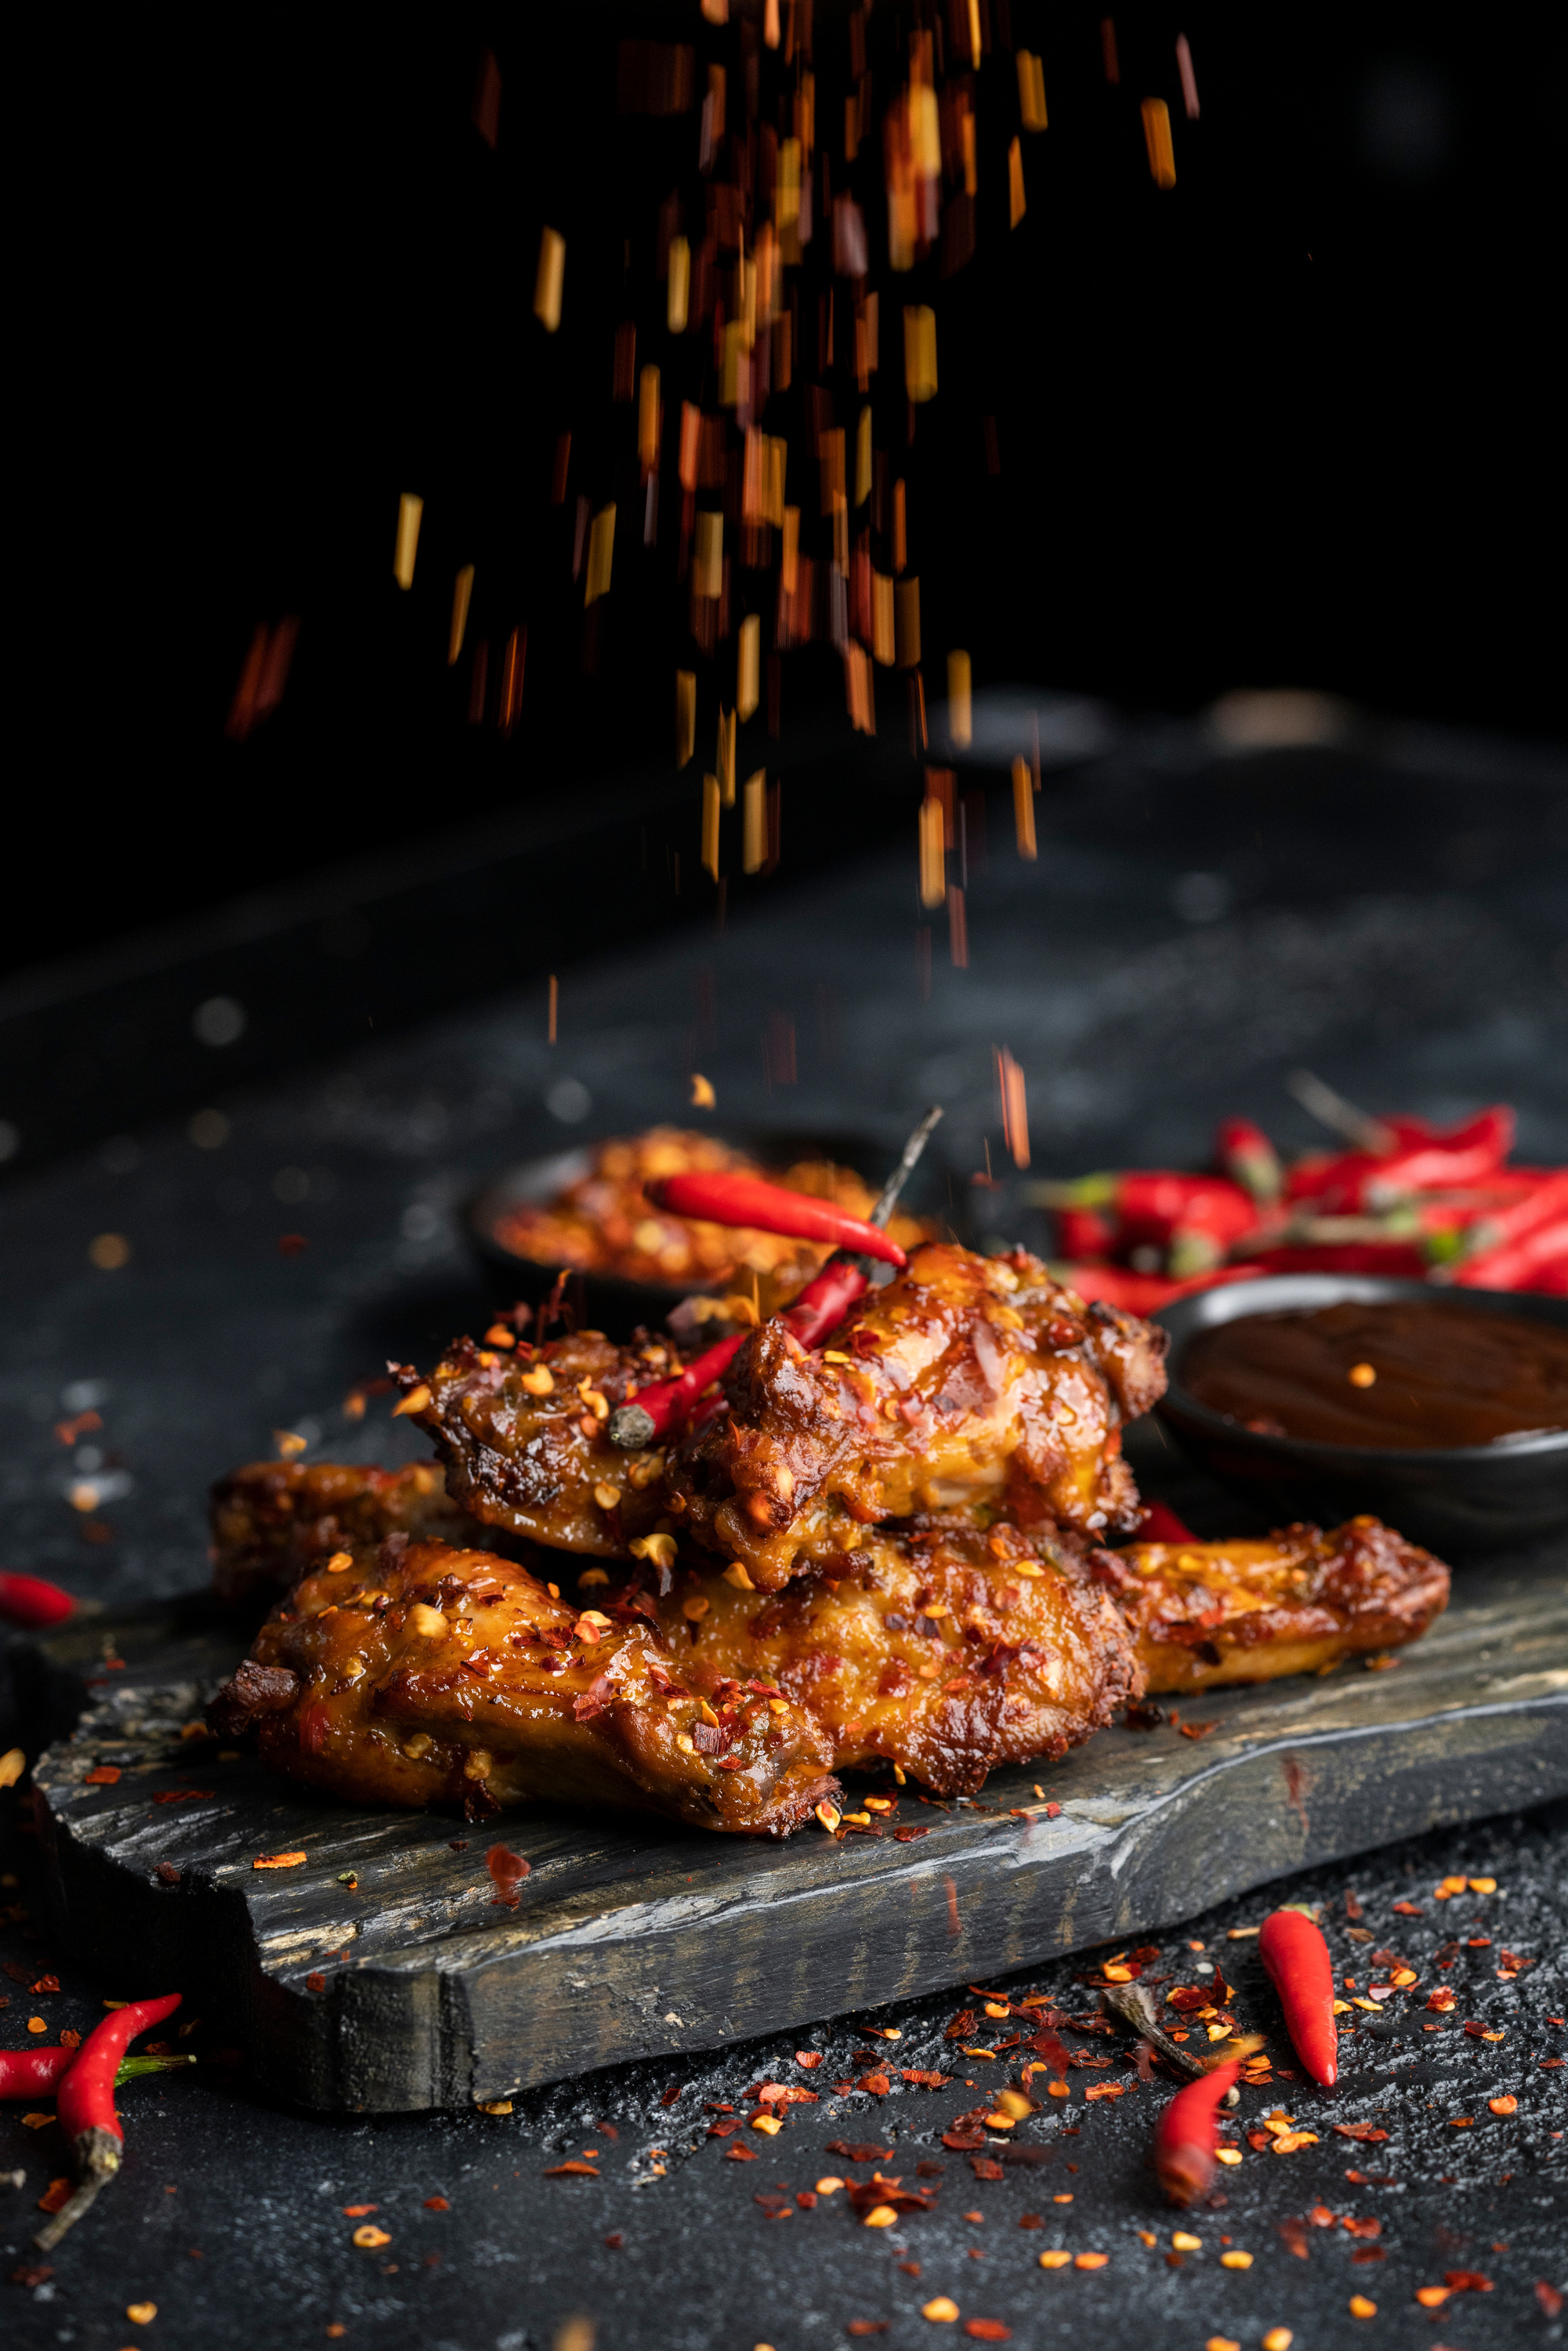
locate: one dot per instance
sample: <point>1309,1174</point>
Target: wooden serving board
<point>634,1938</point>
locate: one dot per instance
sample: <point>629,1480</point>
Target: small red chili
<point>34,2073</point>
<point>1297,1960</point>
<point>654,1412</point>
<point>1184,2136</point>
<point>769,1208</point>
<point>85,2107</point>
<point>31,1600</point>
<point>1249,1159</point>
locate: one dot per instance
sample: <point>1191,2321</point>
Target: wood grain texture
<point>632,1939</point>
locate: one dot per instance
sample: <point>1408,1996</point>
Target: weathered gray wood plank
<point>633,1939</point>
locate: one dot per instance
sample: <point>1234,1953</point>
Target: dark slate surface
<point>1397,917</point>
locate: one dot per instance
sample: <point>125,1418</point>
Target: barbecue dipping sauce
<point>1443,1376</point>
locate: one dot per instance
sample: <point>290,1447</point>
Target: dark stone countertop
<point>1401,928</point>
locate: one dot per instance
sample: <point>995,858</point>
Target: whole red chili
<point>1528,1263</point>
<point>1297,1960</point>
<point>85,2107</point>
<point>1185,2135</point>
<point>34,2073</point>
<point>1248,1158</point>
<point>768,1208</point>
<point>32,1600</point>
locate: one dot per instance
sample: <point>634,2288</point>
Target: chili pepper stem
<point>98,2153</point>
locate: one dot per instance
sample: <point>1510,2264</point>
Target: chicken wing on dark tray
<point>522,1437</point>
<point>425,1674</point>
<point>1204,1614</point>
<point>273,1520</point>
<point>968,1384</point>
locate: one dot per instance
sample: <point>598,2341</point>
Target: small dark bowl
<point>1469,1498</point>
<point>610,1303</point>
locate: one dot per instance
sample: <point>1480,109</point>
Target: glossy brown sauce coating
<point>423,1674</point>
<point>1441,1375</point>
<point>1207,1614</point>
<point>967,1383</point>
<point>273,1520</point>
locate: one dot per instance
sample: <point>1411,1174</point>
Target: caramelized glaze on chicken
<point>430,1676</point>
<point>273,1520</point>
<point>966,1384</point>
<point>522,1436</point>
<point>947,1654</point>
<point>1205,1614</point>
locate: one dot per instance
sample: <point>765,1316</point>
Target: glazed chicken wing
<point>966,1384</point>
<point>1205,1614</point>
<point>948,1654</point>
<point>431,1675</point>
<point>272,1521</point>
<point>522,1436</point>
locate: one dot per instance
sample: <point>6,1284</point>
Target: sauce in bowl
<point>1399,1373</point>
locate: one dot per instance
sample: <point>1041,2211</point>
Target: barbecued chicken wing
<point>522,1436</point>
<point>272,1521</point>
<point>1204,1614</point>
<point>967,1383</point>
<point>427,1675</point>
<point>948,1652</point>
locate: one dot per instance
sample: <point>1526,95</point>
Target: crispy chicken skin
<point>948,1654</point>
<point>272,1521</point>
<point>533,1457</point>
<point>1206,1614</point>
<point>966,1384</point>
<point>431,1676</point>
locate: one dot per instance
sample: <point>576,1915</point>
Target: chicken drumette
<point>423,1674</point>
<point>522,1436</point>
<point>968,1385</point>
<point>1206,1614</point>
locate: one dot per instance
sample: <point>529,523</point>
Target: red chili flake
<point>1466,2281</point>
<point>36,2272</point>
<point>865,2195</point>
<point>672,2093</point>
<point>47,1983</point>
<point>962,2026</point>
<point>104,1775</point>
<point>866,2326</point>
<point>807,2199</point>
<point>858,2154</point>
<point>73,2041</point>
<point>907,1836</point>
<point>1549,2298</point>
<point>738,2153</point>
<point>437,2204</point>
<point>1550,2064</point>
<point>926,2081</point>
<point>878,2084</point>
<point>291,1244</point>
<point>810,2058</point>
<point>1295,2232</point>
<point>615,2241</point>
<point>315,1984</point>
<point>358,2211</point>
<point>1367,2227</point>
<point>506,1871</point>
<point>183,1796</point>
<point>570,2171</point>
<point>724,2130</point>
<point>1366,2131</point>
<point>1107,2089</point>
<point>1410,1910</point>
<point>988,2330</point>
<point>984,2168</point>
<point>1369,2253</point>
<point>166,1874</point>
<point>1190,1730</point>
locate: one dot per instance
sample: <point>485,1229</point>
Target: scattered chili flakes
<point>316,1983</point>
<point>103,1775</point>
<point>1367,2132</point>
<point>988,2330</point>
<point>738,2153</point>
<point>810,2059</point>
<point>437,2204</point>
<point>278,1860</point>
<point>858,2154</point>
<point>1107,2089</point>
<point>575,2170</point>
<point>866,2326</point>
<point>37,2273</point>
<point>1197,1730</point>
<point>1549,2298</point>
<point>358,2211</point>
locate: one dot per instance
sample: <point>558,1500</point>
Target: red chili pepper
<point>85,2107</point>
<point>654,1411</point>
<point>1532,1262</point>
<point>30,1600</point>
<point>1086,1232</point>
<point>1425,1160</point>
<point>34,2073</point>
<point>1248,1158</point>
<point>1146,1293</point>
<point>1161,1524</point>
<point>769,1208</point>
<point>1185,2135</point>
<point>1395,1261</point>
<point>1299,1968</point>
